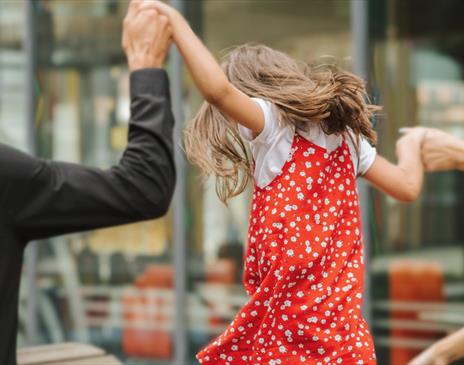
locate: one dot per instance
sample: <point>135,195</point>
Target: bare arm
<point>208,75</point>
<point>402,181</point>
<point>443,352</point>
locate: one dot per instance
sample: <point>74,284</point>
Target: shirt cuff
<point>153,81</point>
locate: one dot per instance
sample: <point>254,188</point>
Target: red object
<point>415,282</point>
<point>303,269</point>
<point>147,323</point>
<point>222,271</point>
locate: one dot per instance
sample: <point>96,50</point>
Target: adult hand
<point>440,150</point>
<point>146,36</point>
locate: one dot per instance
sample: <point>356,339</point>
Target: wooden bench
<point>65,354</point>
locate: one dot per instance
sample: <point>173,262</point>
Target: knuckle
<point>150,11</point>
<point>149,14</point>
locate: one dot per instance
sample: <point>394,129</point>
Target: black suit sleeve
<point>45,198</point>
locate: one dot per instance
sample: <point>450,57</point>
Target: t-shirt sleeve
<point>270,125</point>
<point>271,147</point>
<point>367,155</point>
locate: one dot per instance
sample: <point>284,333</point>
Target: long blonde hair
<point>302,93</point>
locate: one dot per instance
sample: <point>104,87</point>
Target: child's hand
<point>163,8</point>
<point>176,21</point>
<point>418,133</point>
<point>404,180</point>
<point>411,140</point>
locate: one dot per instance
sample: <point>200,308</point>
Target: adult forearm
<point>148,160</point>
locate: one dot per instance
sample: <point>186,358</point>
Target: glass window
<point>13,89</point>
<point>13,123</point>
<point>418,258</point>
<point>113,287</point>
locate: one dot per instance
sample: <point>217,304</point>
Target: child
<point>309,133</point>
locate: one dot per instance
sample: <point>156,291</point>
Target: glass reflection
<point>418,262</point>
<point>114,287</point>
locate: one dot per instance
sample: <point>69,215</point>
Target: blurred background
<point>154,293</point>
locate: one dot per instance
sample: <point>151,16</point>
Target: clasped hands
<point>147,35</point>
<point>440,151</point>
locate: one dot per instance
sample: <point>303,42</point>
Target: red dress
<point>303,269</point>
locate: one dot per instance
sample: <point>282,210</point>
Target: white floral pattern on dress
<point>303,269</point>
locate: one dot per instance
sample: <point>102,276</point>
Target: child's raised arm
<point>404,180</point>
<point>208,75</point>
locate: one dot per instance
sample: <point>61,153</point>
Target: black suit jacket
<point>40,198</point>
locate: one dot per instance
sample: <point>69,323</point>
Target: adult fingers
<point>165,30</point>
<point>134,6</point>
<point>148,6</point>
<point>148,19</point>
<point>162,7</point>
<point>432,165</point>
<point>440,361</point>
<point>156,26</point>
<point>131,12</point>
<point>165,36</point>
<point>136,20</point>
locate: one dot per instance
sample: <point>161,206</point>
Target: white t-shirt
<point>272,147</point>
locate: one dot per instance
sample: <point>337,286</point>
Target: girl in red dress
<point>310,138</point>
